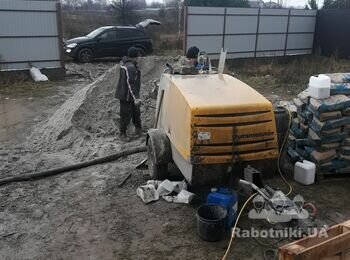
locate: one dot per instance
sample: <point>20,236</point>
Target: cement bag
<point>304,128</point>
<point>36,75</point>
<point>297,132</point>
<point>346,142</point>
<point>303,153</point>
<point>344,157</point>
<point>325,116</point>
<point>340,89</point>
<point>346,129</point>
<point>333,103</point>
<point>323,157</point>
<point>327,147</point>
<point>343,170</point>
<point>339,77</point>
<point>304,96</point>
<point>346,112</point>
<point>302,142</point>
<point>345,150</point>
<point>291,141</point>
<point>303,119</point>
<point>317,140</point>
<point>299,104</point>
<point>309,149</point>
<point>334,165</point>
<point>294,155</point>
<point>319,126</point>
<point>306,115</point>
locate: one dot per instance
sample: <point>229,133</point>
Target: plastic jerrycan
<point>228,199</point>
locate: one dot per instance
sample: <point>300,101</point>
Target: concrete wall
<point>30,33</point>
<point>250,32</point>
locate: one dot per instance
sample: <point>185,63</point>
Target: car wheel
<point>85,55</point>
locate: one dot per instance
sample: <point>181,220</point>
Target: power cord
<point>280,153</point>
<point>235,226</point>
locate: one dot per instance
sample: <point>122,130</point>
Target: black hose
<point>55,171</point>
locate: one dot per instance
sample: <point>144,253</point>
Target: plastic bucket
<point>211,222</point>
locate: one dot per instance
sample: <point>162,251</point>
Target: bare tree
<point>72,4</point>
<point>178,6</point>
<point>124,9</point>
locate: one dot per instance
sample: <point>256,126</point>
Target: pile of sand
<point>86,125</point>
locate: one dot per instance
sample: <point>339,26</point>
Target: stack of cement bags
<point>320,131</point>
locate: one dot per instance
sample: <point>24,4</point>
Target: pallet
<point>334,247</point>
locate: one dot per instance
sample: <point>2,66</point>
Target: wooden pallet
<point>334,247</point>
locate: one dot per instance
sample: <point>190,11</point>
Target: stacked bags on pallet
<point>320,130</point>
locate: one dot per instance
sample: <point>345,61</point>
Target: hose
<point>280,153</point>
<point>235,226</point>
<point>55,171</point>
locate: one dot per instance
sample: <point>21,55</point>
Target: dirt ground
<point>84,214</point>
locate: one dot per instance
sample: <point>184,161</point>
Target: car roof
<point>118,27</point>
<point>126,27</point>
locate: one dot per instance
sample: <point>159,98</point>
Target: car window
<point>96,32</point>
<point>129,33</point>
<point>107,36</point>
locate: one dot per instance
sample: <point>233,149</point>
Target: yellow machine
<point>208,123</point>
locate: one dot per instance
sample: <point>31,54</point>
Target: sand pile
<point>87,124</point>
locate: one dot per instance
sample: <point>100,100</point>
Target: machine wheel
<point>85,55</point>
<point>156,171</point>
<point>159,154</point>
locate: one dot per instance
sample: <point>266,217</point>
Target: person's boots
<point>138,131</point>
<point>123,137</point>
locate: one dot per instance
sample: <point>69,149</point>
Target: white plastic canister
<point>304,172</point>
<point>320,87</point>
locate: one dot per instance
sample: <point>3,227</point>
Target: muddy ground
<point>84,214</point>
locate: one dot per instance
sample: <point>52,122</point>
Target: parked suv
<point>111,41</point>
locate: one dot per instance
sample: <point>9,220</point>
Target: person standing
<point>128,93</point>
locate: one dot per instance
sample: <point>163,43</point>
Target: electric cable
<point>280,153</point>
<point>235,226</point>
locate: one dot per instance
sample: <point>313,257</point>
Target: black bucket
<point>211,222</point>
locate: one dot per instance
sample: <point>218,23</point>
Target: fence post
<point>185,29</point>
<point>257,33</point>
<point>60,33</point>
<point>287,32</point>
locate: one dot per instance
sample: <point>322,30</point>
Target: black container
<point>282,120</point>
<point>211,222</point>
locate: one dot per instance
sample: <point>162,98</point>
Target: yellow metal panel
<point>217,149</point>
<point>206,120</point>
<point>175,117</point>
<point>244,133</point>
<point>214,159</point>
<point>219,91</point>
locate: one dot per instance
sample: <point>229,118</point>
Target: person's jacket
<point>128,88</point>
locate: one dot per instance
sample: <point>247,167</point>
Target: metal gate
<point>250,32</point>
